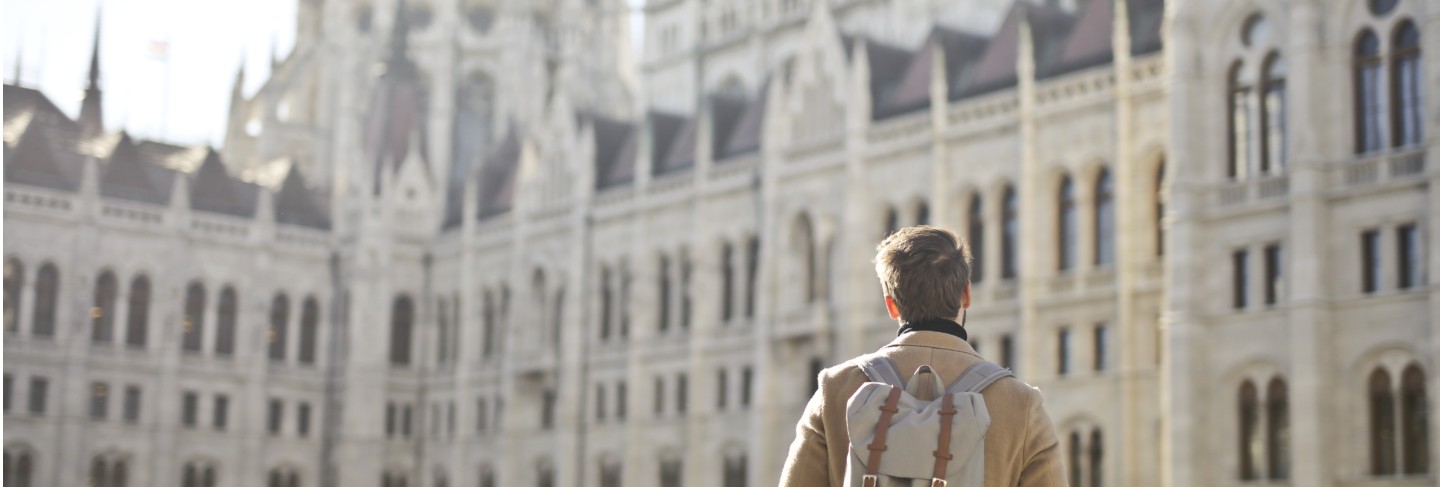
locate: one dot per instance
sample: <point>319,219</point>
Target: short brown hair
<point>925,270</point>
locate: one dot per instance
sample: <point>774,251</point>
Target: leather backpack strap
<point>942,450</point>
<point>877,445</point>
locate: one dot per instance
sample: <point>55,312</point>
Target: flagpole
<point>165,96</point>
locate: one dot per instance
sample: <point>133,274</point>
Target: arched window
<point>402,319</point>
<point>14,283</point>
<point>119,476</point>
<point>892,221</point>
<point>1104,219</point>
<point>727,282</point>
<point>922,213</point>
<point>1097,458</point>
<point>1369,101</point>
<point>1076,458</point>
<point>752,275</point>
<point>225,322</point>
<point>976,237</point>
<point>47,290</point>
<point>804,251</point>
<point>138,320</point>
<point>1249,432</point>
<point>607,297</point>
<point>1241,118</point>
<point>1406,85</point>
<point>192,324</point>
<point>487,323</point>
<point>19,468</point>
<point>99,473</point>
<point>1009,235</point>
<point>442,329</point>
<point>1272,113</point>
<point>685,302</point>
<point>309,330</point>
<point>102,312</point>
<point>1382,424</point>
<point>663,293</point>
<point>557,318</point>
<point>279,326</point>
<point>1160,196</point>
<point>1277,429</point>
<point>1414,421</point>
<point>1067,224</point>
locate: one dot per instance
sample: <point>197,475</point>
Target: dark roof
<point>1049,27</point>
<point>497,176</point>
<point>673,142</point>
<point>128,175</point>
<point>26,108</point>
<point>749,129</point>
<point>36,160</point>
<point>213,190</point>
<point>1089,42</point>
<point>615,147</point>
<point>1146,18</point>
<point>887,68</point>
<point>296,205</point>
<point>725,113</point>
<point>913,90</point>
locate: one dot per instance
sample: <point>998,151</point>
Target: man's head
<point>925,274</point>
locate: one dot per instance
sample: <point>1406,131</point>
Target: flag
<point>159,50</point>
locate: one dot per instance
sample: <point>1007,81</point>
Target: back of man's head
<point>925,270</point>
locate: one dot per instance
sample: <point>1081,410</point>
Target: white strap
<point>880,368</point>
<point>978,377</point>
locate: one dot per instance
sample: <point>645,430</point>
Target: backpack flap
<point>914,432</point>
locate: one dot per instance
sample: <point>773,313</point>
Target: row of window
<point>1099,356</point>
<point>112,470</point>
<point>1087,458</point>
<point>1408,263</point>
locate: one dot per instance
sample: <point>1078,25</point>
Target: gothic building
<point>472,242</point>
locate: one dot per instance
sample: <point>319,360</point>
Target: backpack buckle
<point>937,482</point>
<point>869,481</point>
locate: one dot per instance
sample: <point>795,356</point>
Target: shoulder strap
<point>978,377</point>
<point>880,368</point>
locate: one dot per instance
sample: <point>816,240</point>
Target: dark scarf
<point>935,324</point>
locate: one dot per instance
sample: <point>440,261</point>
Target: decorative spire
<point>399,40</point>
<point>92,117</point>
<point>237,89</point>
<point>95,55</point>
<point>19,60</point>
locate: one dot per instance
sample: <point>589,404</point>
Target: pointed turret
<point>237,88</point>
<point>19,60</point>
<point>399,60</point>
<point>92,117</point>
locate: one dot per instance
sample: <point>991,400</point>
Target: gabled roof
<point>615,148</point>
<point>749,130</point>
<point>127,175</point>
<point>1146,19</point>
<point>26,108</point>
<point>887,68</point>
<point>497,176</point>
<point>673,142</point>
<point>1049,26</point>
<point>296,205</point>
<point>36,160</point>
<point>213,190</point>
<point>725,113</point>
<point>959,49</point>
<point>1089,42</point>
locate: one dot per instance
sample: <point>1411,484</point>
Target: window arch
<point>1273,148</point>
<point>804,251</point>
<point>193,321</point>
<point>1009,234</point>
<point>1240,119</point>
<point>1097,458</point>
<point>102,311</point>
<point>892,220</point>
<point>19,468</point>
<point>402,319</point>
<point>975,235</point>
<point>1160,196</point>
<point>727,282</point>
<point>1067,224</point>
<point>14,284</point>
<point>1369,100</point>
<point>1104,219</point>
<point>1414,421</point>
<point>1249,431</point>
<point>138,316</point>
<point>1406,86</point>
<point>1382,424</point>
<point>1277,429</point>
<point>47,290</point>
<point>309,330</point>
<point>662,291</point>
<point>1076,458</point>
<point>279,326</point>
<point>198,474</point>
<point>225,317</point>
<point>99,473</point>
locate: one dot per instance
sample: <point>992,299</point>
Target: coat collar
<point>933,339</point>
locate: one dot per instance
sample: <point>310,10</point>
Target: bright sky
<point>181,97</point>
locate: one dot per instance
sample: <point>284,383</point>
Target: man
<point>925,277</point>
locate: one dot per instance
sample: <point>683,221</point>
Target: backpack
<point>899,439</point>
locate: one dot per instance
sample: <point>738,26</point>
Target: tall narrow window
<point>1370,261</point>
<point>221,415</point>
<point>621,400</point>
<point>131,407</point>
<point>402,318</point>
<point>922,213</point>
<point>736,471</point>
<point>1408,238</point>
<point>99,400</point>
<point>189,409</point>
<point>225,323</point>
<point>442,331</point>
<point>1242,143</point>
<point>1414,421</point>
<point>1160,195</point>
<point>599,402</point>
<point>547,409</point>
<point>1406,81</point>
<point>892,221</point>
<point>663,294</point>
<point>659,396</point>
<point>275,417</point>
<point>670,473</point>
<point>406,417</point>
<point>1102,345</point>
<point>975,236</point>
<point>1382,424</point>
<point>682,393</point>
<point>727,282</point>
<point>1009,235</point>
<point>685,303</point>
<point>138,320</point>
<point>1104,219</point>
<point>1277,429</point>
<point>1062,351</point>
<point>1272,108</point>
<point>804,252</point>
<point>747,377</point>
<point>1369,99</point>
<point>192,324</point>
<point>47,290</point>
<point>487,322</point>
<point>391,419</point>
<point>1240,279</point>
<point>722,388</point>
<point>1067,225</point>
<point>14,283</point>
<point>302,420</point>
<point>1097,458</point>
<point>752,273</point>
<point>1249,432</point>
<point>1076,455</point>
<point>1274,263</point>
<point>39,388</point>
<point>605,304</point>
<point>102,312</point>
<point>99,473</point>
<point>279,324</point>
<point>1007,351</point>
<point>309,330</point>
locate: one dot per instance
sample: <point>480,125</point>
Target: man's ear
<point>965,297</point>
<point>891,307</point>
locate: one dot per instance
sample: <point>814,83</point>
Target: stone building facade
<point>481,246</point>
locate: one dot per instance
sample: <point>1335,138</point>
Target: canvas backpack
<point>923,434</point>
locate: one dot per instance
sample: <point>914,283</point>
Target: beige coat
<point>1020,447</point>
